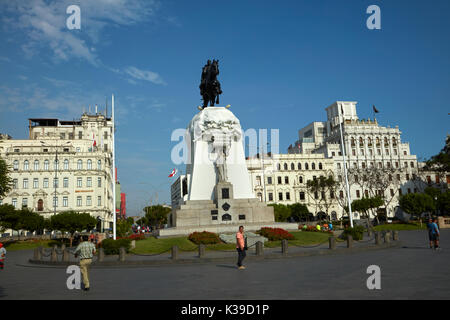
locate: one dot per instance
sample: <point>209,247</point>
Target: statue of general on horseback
<point>209,85</point>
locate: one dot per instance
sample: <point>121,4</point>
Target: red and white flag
<point>174,172</point>
<point>94,143</point>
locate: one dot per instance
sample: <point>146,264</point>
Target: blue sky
<point>281,64</point>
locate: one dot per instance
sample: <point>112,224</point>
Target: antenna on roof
<point>106,111</point>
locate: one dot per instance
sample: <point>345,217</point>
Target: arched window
<point>260,196</point>
<point>394,142</point>
<point>292,167</point>
<point>89,164</point>
<point>320,166</point>
<point>300,179</point>
<point>313,166</point>
<point>299,166</point>
<point>40,205</point>
<point>46,164</point>
<point>99,164</point>
<point>378,141</point>
<point>26,165</point>
<point>369,142</point>
<point>306,166</point>
<point>353,142</point>
<point>66,164</point>
<point>386,142</point>
<point>279,167</point>
<point>36,164</point>
<point>361,142</point>
<point>16,165</point>
<point>80,164</point>
<point>285,166</point>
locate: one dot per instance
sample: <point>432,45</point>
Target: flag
<point>375,109</point>
<point>174,172</point>
<point>94,143</point>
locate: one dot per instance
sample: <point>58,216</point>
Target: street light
<point>56,169</point>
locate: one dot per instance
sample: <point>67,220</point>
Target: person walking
<point>240,247</point>
<point>430,236</point>
<point>435,234</point>
<point>2,256</point>
<point>86,250</point>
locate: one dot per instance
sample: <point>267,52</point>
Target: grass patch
<point>29,244</point>
<point>153,245</point>
<point>400,226</point>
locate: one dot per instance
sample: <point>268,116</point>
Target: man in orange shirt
<point>240,247</point>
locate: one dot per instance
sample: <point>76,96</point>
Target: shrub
<point>356,232</point>
<point>274,234</point>
<point>111,246</point>
<point>204,237</point>
<point>137,236</point>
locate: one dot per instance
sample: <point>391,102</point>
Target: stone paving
<point>408,271</point>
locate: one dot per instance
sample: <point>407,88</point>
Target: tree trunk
<point>71,240</point>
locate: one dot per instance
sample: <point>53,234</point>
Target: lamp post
<point>56,170</point>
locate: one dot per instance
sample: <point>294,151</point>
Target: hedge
<point>274,234</point>
<point>111,246</point>
<point>204,237</point>
<point>356,232</point>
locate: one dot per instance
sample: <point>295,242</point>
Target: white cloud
<point>144,75</point>
<point>44,23</point>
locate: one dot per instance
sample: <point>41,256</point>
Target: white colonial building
<point>284,179</point>
<point>64,165</point>
<point>378,162</point>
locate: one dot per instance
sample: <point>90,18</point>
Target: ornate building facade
<point>64,165</point>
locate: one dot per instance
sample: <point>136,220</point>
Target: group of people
<point>139,229</point>
<point>325,227</point>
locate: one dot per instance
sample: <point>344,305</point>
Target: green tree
<point>156,215</point>
<point>5,179</point>
<point>367,205</point>
<point>123,228</point>
<point>443,203</point>
<point>416,203</point>
<point>71,221</point>
<point>320,191</point>
<point>130,220</point>
<point>281,212</point>
<point>9,217</point>
<point>299,211</point>
<point>31,221</point>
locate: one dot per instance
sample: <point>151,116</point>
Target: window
<point>390,177</point>
<point>409,190</point>
<point>242,217</point>
<point>25,183</point>
<point>361,152</point>
<point>306,166</point>
<point>396,164</point>
<point>55,201</point>
<point>89,164</point>
<point>14,202</point>
<point>36,164</point>
<point>70,135</point>
<point>66,182</point>
<point>379,152</point>
<point>99,200</point>
<point>341,194</point>
<point>288,196</point>
<point>386,151</point>
<point>395,152</point>
<point>46,163</point>
<point>380,165</point>
<point>99,165</point>
<point>392,192</point>
<point>45,182</point>
<point>285,166</point>
<point>339,166</point>
<point>225,193</point>
<point>412,164</point>
<point>80,134</point>
<point>55,164</point>
<point>65,201</point>
<point>16,165</point>
<point>366,193</point>
<point>405,153</point>
<point>299,166</point>
<point>405,164</point>
<point>66,164</point>
<point>286,180</point>
<point>269,180</point>
<point>316,195</point>
<point>292,167</point>
<point>358,195</point>
<point>24,202</point>
<point>99,182</point>
<point>78,149</point>
<point>300,179</point>
<point>323,195</point>
<point>363,165</point>
<point>80,164</point>
<point>62,135</point>
<point>400,191</point>
<point>398,177</point>
<point>258,180</point>
<point>361,142</point>
<point>302,195</point>
<point>320,166</point>
<point>407,177</point>
<point>388,165</point>
<point>279,180</point>
<point>333,154</point>
<point>79,201</point>
<point>79,182</point>
<point>25,165</point>
<point>331,195</point>
<point>270,196</point>
<point>437,178</point>
<point>353,152</point>
<point>278,167</point>
<point>55,182</point>
<point>280,196</point>
<point>106,135</point>
<point>313,166</point>
<point>89,200</point>
<point>35,183</point>
<point>89,182</point>
<point>356,178</point>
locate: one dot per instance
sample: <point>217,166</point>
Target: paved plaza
<point>408,271</point>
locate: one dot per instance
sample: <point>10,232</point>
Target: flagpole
<point>345,168</point>
<point>114,171</point>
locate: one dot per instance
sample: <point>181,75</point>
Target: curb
<point>169,261</point>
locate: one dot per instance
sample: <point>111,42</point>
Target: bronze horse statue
<point>209,85</point>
